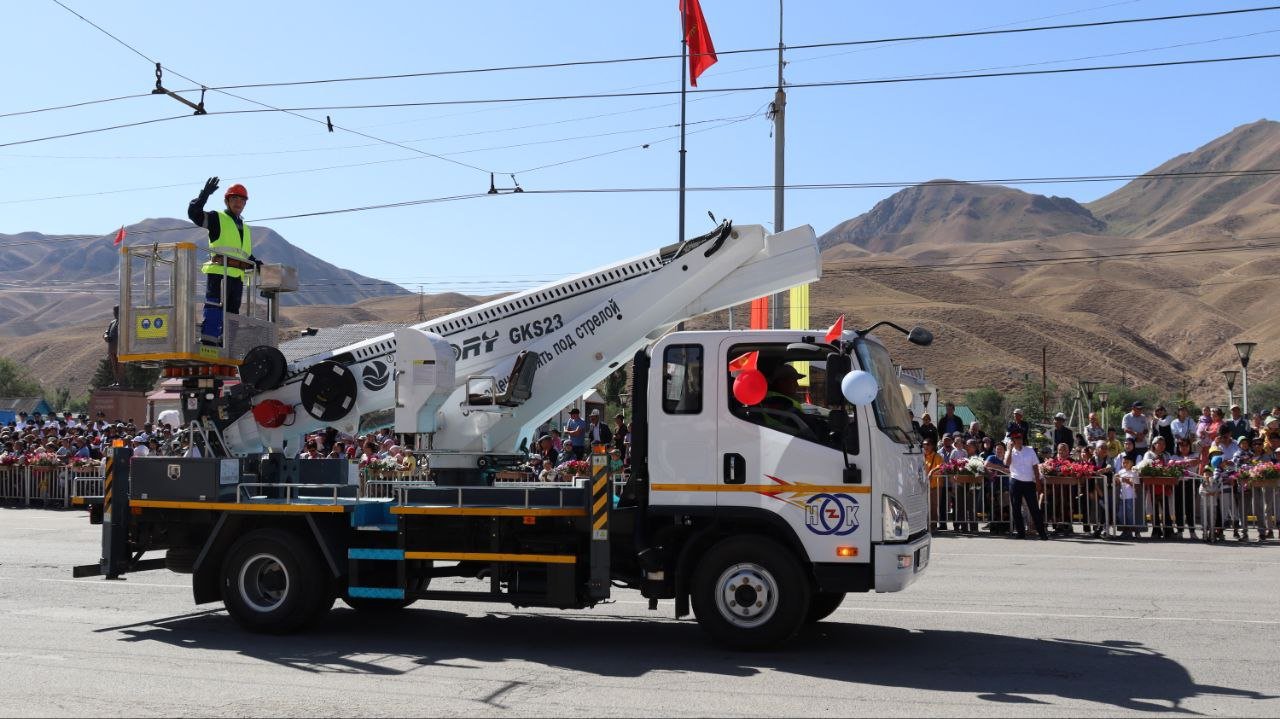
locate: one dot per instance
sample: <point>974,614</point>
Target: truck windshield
<point>890,412</point>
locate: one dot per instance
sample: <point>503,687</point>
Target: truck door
<point>682,425</point>
<point>781,455</point>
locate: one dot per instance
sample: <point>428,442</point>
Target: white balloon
<point>859,387</point>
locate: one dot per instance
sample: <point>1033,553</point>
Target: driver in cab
<point>784,388</point>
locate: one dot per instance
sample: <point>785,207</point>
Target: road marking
<point>1121,617</point>
<point>935,554</point>
<point>111,582</point>
<point>98,582</point>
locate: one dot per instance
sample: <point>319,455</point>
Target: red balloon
<point>750,387</point>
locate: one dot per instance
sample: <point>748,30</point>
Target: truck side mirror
<point>920,336</point>
<point>838,365</point>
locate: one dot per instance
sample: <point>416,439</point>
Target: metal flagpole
<point>684,69</point>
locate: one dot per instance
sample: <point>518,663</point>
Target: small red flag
<point>120,236</point>
<point>836,330</point>
<point>702,54</point>
<point>744,362</point>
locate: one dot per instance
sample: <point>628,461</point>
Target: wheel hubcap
<point>264,582</point>
<point>747,595</point>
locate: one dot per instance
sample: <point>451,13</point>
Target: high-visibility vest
<point>229,243</point>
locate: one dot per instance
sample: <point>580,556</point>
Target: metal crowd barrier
<point>47,486</point>
<point>1094,506</point>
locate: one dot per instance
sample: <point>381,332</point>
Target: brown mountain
<point>1149,284</point>
<point>1225,206</point>
<point>51,281</point>
<point>944,212</point>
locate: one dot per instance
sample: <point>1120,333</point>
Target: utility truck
<point>757,516</point>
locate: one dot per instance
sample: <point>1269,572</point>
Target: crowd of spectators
<point>1212,455</point>
<point>75,440</point>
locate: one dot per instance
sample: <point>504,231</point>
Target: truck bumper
<point>898,565</point>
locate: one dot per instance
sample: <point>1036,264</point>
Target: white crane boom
<point>573,332</point>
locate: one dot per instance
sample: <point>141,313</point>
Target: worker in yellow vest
<point>230,254</point>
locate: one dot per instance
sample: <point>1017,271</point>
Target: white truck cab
<point>839,483</point>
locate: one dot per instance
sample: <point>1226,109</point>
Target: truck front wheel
<point>272,582</point>
<point>822,605</point>
<point>750,593</point>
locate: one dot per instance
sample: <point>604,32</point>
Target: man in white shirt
<point>139,446</point>
<point>1024,471</point>
<point>1138,426</point>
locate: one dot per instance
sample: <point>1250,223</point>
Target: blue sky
<point>1090,123</point>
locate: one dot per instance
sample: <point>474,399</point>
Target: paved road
<point>997,628</point>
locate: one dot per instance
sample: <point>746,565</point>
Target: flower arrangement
<point>45,459</point>
<point>1067,468</point>
<point>1171,468</point>
<point>83,462</point>
<point>575,468</point>
<point>972,466</point>
<point>1261,472</point>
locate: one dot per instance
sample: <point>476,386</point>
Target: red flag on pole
<point>836,330</point>
<point>702,54</point>
<point>744,362</point>
<point>120,236</point>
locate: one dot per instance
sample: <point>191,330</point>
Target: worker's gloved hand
<point>257,263</point>
<point>209,186</point>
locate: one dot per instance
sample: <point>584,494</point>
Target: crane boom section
<point>577,330</point>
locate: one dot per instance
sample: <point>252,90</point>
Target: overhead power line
<point>719,188</point>
<point>488,101</point>
<point>326,122</point>
<point>773,87</point>
<point>802,46</point>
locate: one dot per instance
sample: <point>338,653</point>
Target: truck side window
<point>682,379</point>
<point>789,407</point>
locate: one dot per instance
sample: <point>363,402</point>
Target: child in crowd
<point>1210,495</point>
<point>1127,480</point>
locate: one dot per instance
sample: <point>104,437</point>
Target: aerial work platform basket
<point>162,300</point>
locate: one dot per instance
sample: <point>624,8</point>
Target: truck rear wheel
<point>750,593</point>
<point>822,605</point>
<point>272,582</point>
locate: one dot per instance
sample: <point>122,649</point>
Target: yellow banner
<point>800,321</point>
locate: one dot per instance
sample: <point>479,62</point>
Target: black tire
<point>273,582</point>
<point>822,605</point>
<point>756,572</point>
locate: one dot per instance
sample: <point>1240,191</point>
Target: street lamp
<point>1244,349</point>
<point>924,400</point>
<point>1089,387</point>
<point>1231,375</point>
<point>1103,396</point>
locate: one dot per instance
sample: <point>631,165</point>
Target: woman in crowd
<point>1158,499</point>
<point>928,430</point>
<point>1184,497</point>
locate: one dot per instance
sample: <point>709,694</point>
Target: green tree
<point>137,377</point>
<point>987,405</point>
<point>16,382</point>
<point>102,376</point>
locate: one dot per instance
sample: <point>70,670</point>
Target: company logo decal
<point>375,375</point>
<point>831,514</point>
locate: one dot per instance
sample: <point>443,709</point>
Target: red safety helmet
<point>238,189</point>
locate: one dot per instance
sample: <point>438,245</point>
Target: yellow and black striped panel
<point>600,497</point>
<point>109,476</point>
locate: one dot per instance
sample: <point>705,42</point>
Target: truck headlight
<point>894,526</point>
